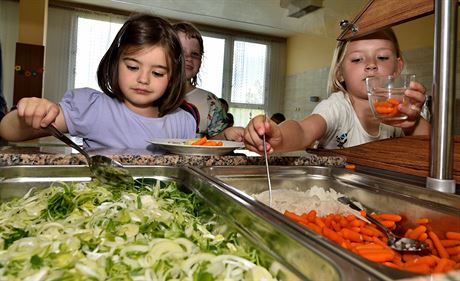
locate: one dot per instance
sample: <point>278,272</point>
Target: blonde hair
<point>333,82</point>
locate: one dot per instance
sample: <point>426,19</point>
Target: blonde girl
<point>345,119</point>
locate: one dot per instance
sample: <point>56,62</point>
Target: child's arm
<point>290,135</point>
<point>31,115</point>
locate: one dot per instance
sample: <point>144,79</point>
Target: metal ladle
<point>401,244</point>
<point>102,167</point>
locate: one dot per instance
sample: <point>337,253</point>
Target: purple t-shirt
<point>104,122</point>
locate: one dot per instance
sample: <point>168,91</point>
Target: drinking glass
<point>385,93</point>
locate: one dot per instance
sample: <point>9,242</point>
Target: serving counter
<point>227,186</point>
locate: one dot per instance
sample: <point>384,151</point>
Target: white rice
<point>300,202</point>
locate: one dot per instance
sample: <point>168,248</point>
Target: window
<point>244,84</point>
<point>94,36</point>
<point>240,70</point>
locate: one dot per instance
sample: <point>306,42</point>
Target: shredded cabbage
<point>96,231</point>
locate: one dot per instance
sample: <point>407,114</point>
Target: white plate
<point>178,146</point>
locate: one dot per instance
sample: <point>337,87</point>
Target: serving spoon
<point>102,167</point>
<point>401,244</point>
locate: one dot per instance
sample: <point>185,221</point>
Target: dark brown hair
<point>138,32</point>
<point>190,32</point>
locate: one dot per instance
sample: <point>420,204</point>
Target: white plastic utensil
<point>268,170</point>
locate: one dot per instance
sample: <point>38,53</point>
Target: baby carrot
<point>441,266</point>
<point>390,217</point>
<point>423,221</point>
<point>437,244</point>
<point>418,268</point>
<point>453,235</point>
<point>414,234</point>
<point>313,227</point>
<point>450,243</point>
<point>423,236</point>
<point>429,260</point>
<point>311,216</point>
<point>352,235</point>
<point>389,224</point>
<point>329,233</point>
<point>452,251</point>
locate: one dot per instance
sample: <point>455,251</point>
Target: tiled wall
<point>302,86</point>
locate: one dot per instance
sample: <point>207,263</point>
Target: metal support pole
<point>444,71</point>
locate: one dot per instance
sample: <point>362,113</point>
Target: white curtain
<point>9,22</point>
<point>57,53</point>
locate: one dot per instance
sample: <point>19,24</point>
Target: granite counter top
<point>61,155</point>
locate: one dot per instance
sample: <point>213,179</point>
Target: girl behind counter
<point>213,118</point>
<point>345,118</point>
<point>141,76</point>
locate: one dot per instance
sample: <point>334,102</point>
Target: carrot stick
<point>437,244</point>
<point>453,235</point>
<point>358,223</point>
<point>418,268</point>
<point>293,216</point>
<point>423,236</point>
<point>329,233</point>
<point>390,217</point>
<point>311,216</point>
<point>379,256</point>
<point>429,260</point>
<point>453,250</point>
<point>450,243</point>
<point>441,266</point>
<point>352,235</point>
<point>422,221</point>
<point>414,234</point>
<point>389,224</point>
<point>319,222</point>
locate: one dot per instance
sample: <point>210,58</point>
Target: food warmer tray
<point>377,194</point>
<point>301,259</point>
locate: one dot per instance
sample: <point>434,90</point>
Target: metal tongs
<point>266,167</point>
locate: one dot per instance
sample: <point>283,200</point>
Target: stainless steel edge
<point>351,268</point>
<point>381,195</point>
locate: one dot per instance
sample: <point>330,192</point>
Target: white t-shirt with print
<point>343,126</point>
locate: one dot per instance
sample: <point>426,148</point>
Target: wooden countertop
<point>408,155</point>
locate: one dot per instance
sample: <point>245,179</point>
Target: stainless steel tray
<point>301,260</point>
<point>382,195</point>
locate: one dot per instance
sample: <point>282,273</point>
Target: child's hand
<point>255,130</point>
<point>37,113</point>
<point>416,94</point>
<point>234,133</point>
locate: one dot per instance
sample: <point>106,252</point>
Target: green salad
<point>96,231</point>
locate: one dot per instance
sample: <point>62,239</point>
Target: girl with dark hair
<point>141,76</point>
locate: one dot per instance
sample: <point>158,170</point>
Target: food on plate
<point>95,231</point>
<point>204,142</point>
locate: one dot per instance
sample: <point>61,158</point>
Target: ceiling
<point>260,16</point>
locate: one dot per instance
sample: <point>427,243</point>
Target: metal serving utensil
<point>268,170</point>
<point>401,244</point>
<point>102,167</point>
